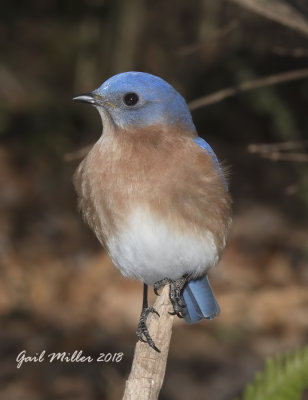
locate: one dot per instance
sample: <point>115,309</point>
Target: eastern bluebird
<point>154,193</point>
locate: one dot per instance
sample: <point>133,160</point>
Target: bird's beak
<point>91,98</point>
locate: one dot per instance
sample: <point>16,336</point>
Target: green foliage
<point>285,377</point>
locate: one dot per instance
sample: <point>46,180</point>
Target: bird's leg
<point>142,331</point>
<point>175,294</point>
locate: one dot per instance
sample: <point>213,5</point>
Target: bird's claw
<point>176,288</point>
<point>142,331</point>
<point>159,284</point>
<point>175,294</point>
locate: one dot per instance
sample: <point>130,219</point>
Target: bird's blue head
<point>139,99</point>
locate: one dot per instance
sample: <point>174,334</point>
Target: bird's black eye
<point>131,99</point>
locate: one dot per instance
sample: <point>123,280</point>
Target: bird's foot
<point>142,331</point>
<point>175,294</point>
<point>159,284</point>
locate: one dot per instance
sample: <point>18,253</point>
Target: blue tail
<point>200,301</point>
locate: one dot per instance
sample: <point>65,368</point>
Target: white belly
<point>149,250</point>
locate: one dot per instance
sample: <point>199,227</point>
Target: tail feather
<point>200,301</point>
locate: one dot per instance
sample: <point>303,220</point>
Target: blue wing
<point>198,296</point>
<point>204,145</point>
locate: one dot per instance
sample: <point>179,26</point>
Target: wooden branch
<point>279,146</point>
<point>215,36</point>
<point>278,11</point>
<point>296,52</point>
<point>282,151</point>
<point>246,86</point>
<point>294,157</point>
<point>148,369</point>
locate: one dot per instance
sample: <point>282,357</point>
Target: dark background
<point>58,290</point>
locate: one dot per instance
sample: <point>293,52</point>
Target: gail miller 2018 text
<point>75,357</point>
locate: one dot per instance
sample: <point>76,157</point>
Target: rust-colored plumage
<point>166,173</point>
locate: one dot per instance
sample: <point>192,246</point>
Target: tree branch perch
<point>278,11</point>
<point>148,369</point>
<point>246,86</point>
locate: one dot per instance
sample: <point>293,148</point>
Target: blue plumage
<point>200,301</point>
<point>158,102</point>
<point>204,145</point>
<point>198,295</point>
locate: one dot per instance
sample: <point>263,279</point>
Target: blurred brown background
<point>58,290</point>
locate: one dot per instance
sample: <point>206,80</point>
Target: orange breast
<point>163,172</point>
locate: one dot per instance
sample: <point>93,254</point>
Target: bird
<point>155,194</point>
